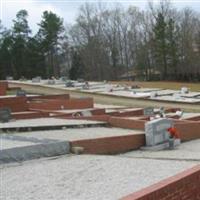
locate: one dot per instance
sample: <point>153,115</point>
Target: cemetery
<point>184,95</point>
<point>48,132</point>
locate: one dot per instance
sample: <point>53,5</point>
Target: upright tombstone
<point>51,82</point>
<point>69,84</point>
<point>21,93</point>
<point>80,80</point>
<point>153,94</point>
<point>63,78</point>
<point>149,111</point>
<point>9,78</point>
<point>184,90</point>
<point>86,86</point>
<point>86,113</point>
<point>36,79</point>
<point>5,115</point>
<point>156,131</point>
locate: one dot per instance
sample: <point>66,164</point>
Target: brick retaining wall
<point>183,186</point>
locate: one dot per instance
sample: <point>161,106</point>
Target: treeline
<point>106,43</point>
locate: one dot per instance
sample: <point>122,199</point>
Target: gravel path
<point>83,177</point>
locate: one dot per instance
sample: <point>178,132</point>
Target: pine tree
<point>160,40</point>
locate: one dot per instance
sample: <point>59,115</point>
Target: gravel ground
<point>72,134</point>
<point>186,151</point>
<point>83,177</point>
<point>8,144</point>
<point>45,122</point>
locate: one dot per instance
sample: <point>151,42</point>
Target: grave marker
<point>156,131</point>
<point>5,114</point>
<point>51,82</point>
<point>149,111</point>
<point>21,93</point>
<point>36,79</point>
<point>69,84</point>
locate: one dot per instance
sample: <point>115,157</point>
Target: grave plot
<point>128,94</point>
<point>176,98</point>
<point>86,177</point>
<point>157,94</point>
<point>94,140</point>
<point>20,146</point>
<point>18,149</point>
<point>47,124</point>
<point>35,106</point>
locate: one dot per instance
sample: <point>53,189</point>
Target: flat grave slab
<point>128,94</point>
<point>178,99</point>
<point>186,151</point>
<point>189,115</point>
<point>47,123</point>
<point>191,94</point>
<point>73,134</point>
<point>67,111</point>
<point>108,106</point>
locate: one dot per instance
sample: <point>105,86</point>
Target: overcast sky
<point>67,9</point>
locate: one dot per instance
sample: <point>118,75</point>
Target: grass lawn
<point>163,84</point>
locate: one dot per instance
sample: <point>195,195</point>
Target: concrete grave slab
<point>47,123</point>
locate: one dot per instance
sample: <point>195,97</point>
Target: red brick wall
<point>197,118</point>
<point>16,104</point>
<point>58,104</point>
<point>188,130</point>
<point>127,123</point>
<point>3,87</point>
<point>80,103</point>
<point>137,112</point>
<point>58,96</point>
<point>110,145</point>
<point>183,186</point>
<point>29,115</point>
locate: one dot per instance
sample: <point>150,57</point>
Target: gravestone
<point>149,111</point>
<point>86,113</point>
<point>184,90</point>
<point>80,80</point>
<point>156,131</point>
<point>9,78</point>
<point>36,79</point>
<point>86,86</point>
<point>51,82</point>
<point>5,114</point>
<point>69,84</point>
<point>21,93</point>
<point>153,94</point>
<point>63,78</point>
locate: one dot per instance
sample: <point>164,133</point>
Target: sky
<point>68,9</point>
